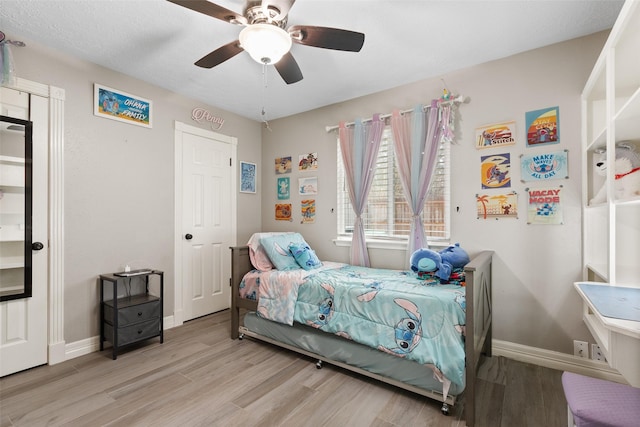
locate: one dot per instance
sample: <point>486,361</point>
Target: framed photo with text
<point>121,106</point>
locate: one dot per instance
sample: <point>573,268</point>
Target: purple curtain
<point>416,140</point>
<point>359,146</point>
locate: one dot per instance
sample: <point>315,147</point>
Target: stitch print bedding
<point>393,311</point>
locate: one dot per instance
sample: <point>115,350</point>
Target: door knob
<point>36,246</point>
<point>188,236</point>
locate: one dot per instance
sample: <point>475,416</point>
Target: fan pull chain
<point>264,97</point>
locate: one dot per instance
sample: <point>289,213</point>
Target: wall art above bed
<point>494,206</point>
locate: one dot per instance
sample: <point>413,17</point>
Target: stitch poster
<point>284,188</point>
<point>495,171</point>
<point>543,126</point>
<point>308,162</point>
<point>283,212</point>
<point>544,205</point>
<point>496,135</point>
<point>283,165</point>
<point>308,211</point>
<point>497,206</point>
<point>544,166</point>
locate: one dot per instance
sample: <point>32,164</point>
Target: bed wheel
<point>319,364</point>
<point>445,409</point>
<point>241,336</point>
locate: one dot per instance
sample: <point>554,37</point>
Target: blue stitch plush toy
<point>441,264</point>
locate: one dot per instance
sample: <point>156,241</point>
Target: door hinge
<point>230,282</point>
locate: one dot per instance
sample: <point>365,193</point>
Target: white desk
<point>618,339</point>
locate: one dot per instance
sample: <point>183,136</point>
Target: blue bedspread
<point>391,310</point>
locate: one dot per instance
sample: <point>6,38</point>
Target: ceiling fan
<point>265,37</point>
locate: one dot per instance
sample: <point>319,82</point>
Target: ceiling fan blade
<point>212,9</point>
<point>327,38</point>
<point>282,6</point>
<point>220,55</point>
<point>288,69</point>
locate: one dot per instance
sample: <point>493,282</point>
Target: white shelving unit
<point>611,230</point>
<point>12,232</point>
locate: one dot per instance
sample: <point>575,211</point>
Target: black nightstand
<point>134,315</point>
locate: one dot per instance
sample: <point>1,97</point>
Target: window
<point>387,215</point>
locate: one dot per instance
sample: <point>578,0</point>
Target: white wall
<point>535,265</point>
<point>119,180</point>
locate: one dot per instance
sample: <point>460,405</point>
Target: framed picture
<point>495,171</point>
<point>247,177</point>
<point>544,166</point>
<point>308,186</point>
<point>284,188</point>
<point>121,106</point>
<point>308,162</point>
<point>494,206</point>
<point>283,211</point>
<point>545,205</point>
<point>283,165</point>
<point>543,126</point>
<point>496,135</point>
<point>308,211</point>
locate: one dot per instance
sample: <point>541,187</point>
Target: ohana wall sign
<point>201,115</point>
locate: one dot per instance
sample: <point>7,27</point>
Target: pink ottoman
<point>598,403</point>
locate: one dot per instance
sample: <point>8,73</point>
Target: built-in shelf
<point>611,229</point>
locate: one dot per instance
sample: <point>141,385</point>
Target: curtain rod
<point>457,100</point>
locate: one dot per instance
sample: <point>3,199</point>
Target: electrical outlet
<point>581,349</point>
<point>596,353</point>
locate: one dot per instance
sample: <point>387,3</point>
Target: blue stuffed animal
<point>455,255</point>
<point>441,264</point>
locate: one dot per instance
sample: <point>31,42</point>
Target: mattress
<point>349,352</point>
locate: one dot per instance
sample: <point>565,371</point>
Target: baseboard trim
<point>556,360</point>
<point>535,356</point>
<point>92,344</point>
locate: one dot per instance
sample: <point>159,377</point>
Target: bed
<point>398,362</point>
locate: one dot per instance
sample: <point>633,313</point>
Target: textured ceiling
<point>406,41</point>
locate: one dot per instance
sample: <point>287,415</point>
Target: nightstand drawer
<point>133,333</point>
<point>133,310</point>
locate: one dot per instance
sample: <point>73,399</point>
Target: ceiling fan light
<point>266,43</point>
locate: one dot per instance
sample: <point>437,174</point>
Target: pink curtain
<point>359,146</point>
<point>416,139</point>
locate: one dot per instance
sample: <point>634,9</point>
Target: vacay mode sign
<point>544,205</point>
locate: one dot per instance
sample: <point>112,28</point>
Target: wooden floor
<point>200,377</point>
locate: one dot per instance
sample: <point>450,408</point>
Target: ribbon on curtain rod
<point>452,101</point>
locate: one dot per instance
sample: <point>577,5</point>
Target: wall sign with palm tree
<point>494,206</point>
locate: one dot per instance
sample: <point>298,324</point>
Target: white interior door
<point>207,226</point>
<point>23,322</point>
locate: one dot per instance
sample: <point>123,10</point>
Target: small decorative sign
<point>308,211</point>
<point>495,171</point>
<point>496,135</point>
<point>497,206</point>
<point>308,186</point>
<point>308,162</point>
<point>200,114</point>
<point>284,188</point>
<point>544,166</point>
<point>544,205</point>
<point>543,126</point>
<point>283,211</point>
<point>247,177</point>
<point>121,106</point>
<point>283,165</point>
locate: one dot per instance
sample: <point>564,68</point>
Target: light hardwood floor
<point>200,377</point>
